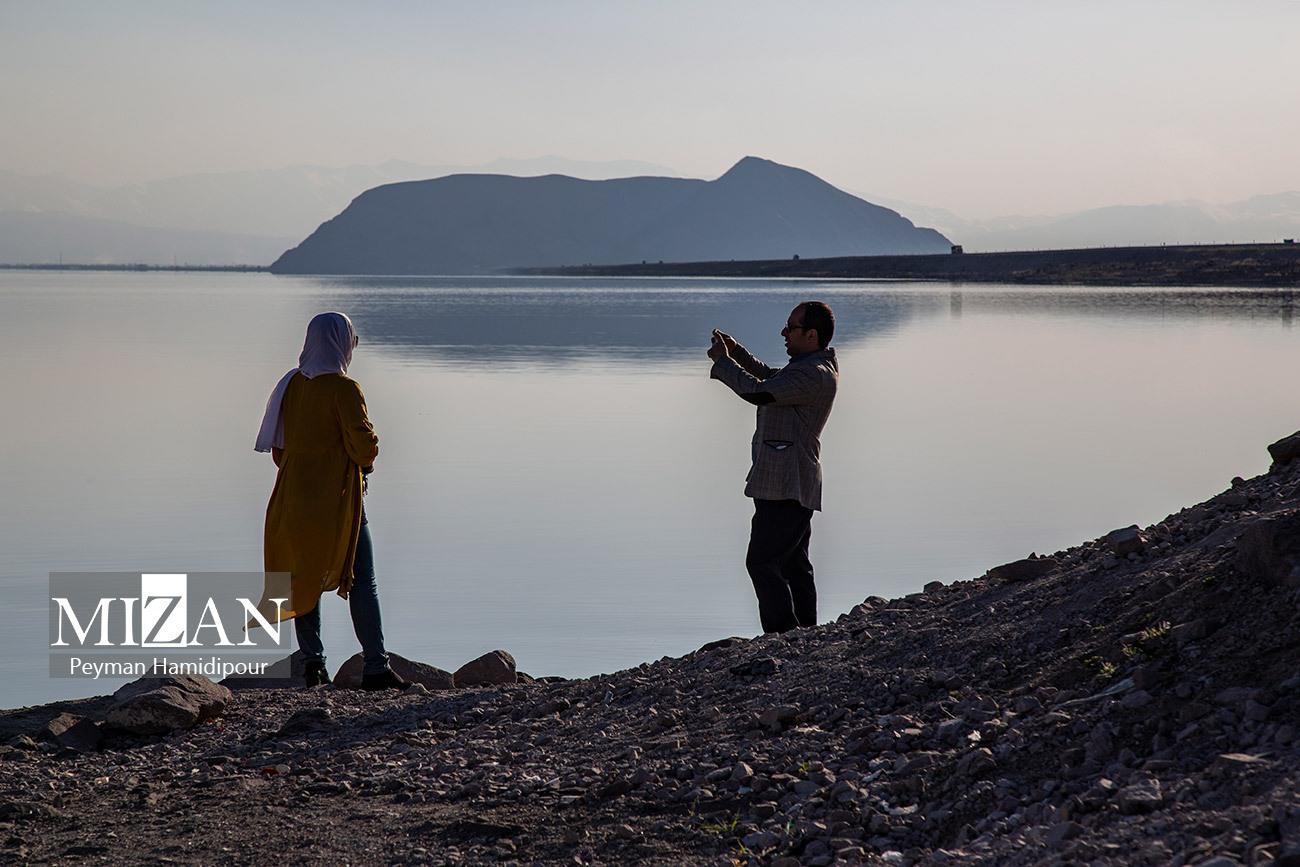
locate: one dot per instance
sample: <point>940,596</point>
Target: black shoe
<point>316,674</point>
<point>386,679</point>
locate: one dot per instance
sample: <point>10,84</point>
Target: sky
<point>984,108</point>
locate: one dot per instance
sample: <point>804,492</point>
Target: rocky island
<point>480,223</point>
<point>1132,700</point>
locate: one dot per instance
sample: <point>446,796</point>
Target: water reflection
<point>541,321</point>
<point>1126,303</point>
<point>641,321</point>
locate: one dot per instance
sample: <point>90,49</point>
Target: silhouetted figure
<point>317,430</point>
<point>785,480</point>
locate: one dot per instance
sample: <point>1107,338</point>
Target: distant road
<point>1260,265</point>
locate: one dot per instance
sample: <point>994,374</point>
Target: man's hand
<point>718,347</point>
<point>727,340</point>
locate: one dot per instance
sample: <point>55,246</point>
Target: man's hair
<point>817,314</point>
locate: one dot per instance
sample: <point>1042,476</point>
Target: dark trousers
<point>363,603</point>
<point>778,565</point>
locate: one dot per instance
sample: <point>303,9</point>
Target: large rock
<point>73,732</point>
<point>1269,549</point>
<point>349,674</point>
<point>286,673</point>
<point>1285,450</point>
<point>1142,796</point>
<point>1023,570</point>
<point>490,669</point>
<point>1125,541</point>
<point>158,705</point>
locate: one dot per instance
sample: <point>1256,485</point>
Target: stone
<point>976,762</point>
<point>162,704</point>
<point>72,732</point>
<point>429,676</point>
<point>1062,831</point>
<point>762,667</point>
<point>309,720</point>
<point>1022,570</point>
<point>1235,763</point>
<point>1135,699</point>
<point>1256,712</point>
<point>932,587</point>
<point>951,729</point>
<point>491,669</point>
<point>1125,541</point>
<point>1268,550</point>
<point>776,718</point>
<point>1027,704</point>
<point>615,789</point>
<point>720,643</point>
<point>1143,796</point>
<point>1285,450</point>
<point>57,726</point>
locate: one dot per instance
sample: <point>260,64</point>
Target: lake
<point>558,475</point>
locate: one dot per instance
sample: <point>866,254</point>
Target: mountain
<point>40,238</point>
<point>474,223</point>
<point>1260,219</point>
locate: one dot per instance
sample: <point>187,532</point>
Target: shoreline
<point>134,267</point>
<point>1132,699</point>
<point>1246,265</point>
<point>1263,266</point>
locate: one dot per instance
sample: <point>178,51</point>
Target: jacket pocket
<point>778,445</point>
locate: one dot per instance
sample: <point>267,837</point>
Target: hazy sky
<point>982,107</point>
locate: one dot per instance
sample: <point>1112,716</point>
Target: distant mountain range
<point>250,217</point>
<point>1260,219</point>
<point>223,216</point>
<point>475,223</point>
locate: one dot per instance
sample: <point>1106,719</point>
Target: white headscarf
<point>327,349</point>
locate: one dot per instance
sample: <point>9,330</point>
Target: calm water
<point>559,477</point>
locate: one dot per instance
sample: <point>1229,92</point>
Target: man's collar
<point>825,351</point>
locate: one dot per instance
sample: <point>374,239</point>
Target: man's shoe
<point>386,679</point>
<point>316,674</point>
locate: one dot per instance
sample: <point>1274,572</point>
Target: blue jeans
<point>363,601</point>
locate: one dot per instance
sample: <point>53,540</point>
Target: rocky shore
<point>1132,700</point>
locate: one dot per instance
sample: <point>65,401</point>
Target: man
<point>785,480</point>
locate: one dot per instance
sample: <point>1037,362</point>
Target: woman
<point>318,434</point>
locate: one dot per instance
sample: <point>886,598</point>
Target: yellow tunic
<point>314,516</point>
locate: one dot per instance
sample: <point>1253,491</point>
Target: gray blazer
<point>786,449</point>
